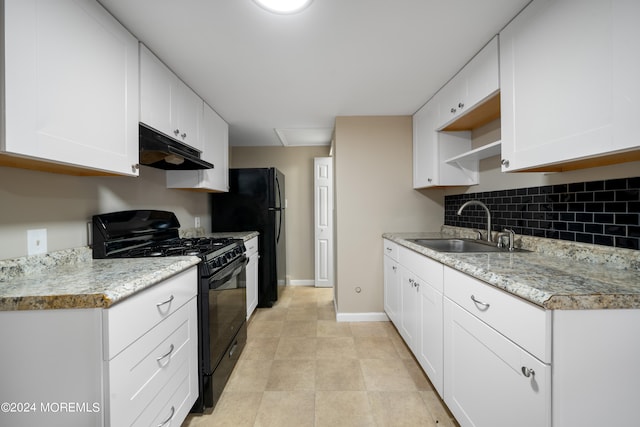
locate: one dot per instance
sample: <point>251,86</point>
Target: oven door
<point>225,311</point>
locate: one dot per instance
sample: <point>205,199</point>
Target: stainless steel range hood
<point>160,151</point>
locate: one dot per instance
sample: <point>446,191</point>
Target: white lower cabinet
<point>155,375</point>
<point>392,281</point>
<point>134,364</point>
<point>413,302</point>
<point>409,315</point>
<point>429,351</point>
<point>500,361</point>
<point>491,376</point>
<point>485,376</point>
<point>252,274</point>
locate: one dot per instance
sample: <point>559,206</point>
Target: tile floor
<point>302,368</point>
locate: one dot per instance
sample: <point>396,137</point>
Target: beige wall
<point>373,171</point>
<point>64,204</point>
<point>296,163</point>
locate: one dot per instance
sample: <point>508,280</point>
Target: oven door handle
<point>228,272</point>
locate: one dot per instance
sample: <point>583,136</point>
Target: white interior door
<point>323,221</point>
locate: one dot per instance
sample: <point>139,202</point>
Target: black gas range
<point>221,284</point>
<point>152,233</point>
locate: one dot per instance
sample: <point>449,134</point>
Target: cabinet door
<point>430,345</point>
<point>477,81</point>
<point>431,148</point>
<point>71,85</point>
<point>158,86</point>
<point>425,146</point>
<point>483,76</point>
<point>167,103</point>
<point>392,285</point>
<point>189,109</point>
<point>215,135</point>
<point>569,82</point>
<point>409,311</point>
<point>485,382</point>
<point>252,283</point>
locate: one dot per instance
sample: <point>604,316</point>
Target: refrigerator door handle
<point>279,208</point>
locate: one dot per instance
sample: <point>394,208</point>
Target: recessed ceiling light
<point>283,6</point>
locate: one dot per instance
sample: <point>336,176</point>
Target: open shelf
<point>489,150</point>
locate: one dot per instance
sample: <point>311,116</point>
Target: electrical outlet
<point>37,241</point>
<point>197,221</point>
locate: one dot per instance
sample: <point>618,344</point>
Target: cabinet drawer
<point>137,374</point>
<point>127,321</point>
<point>422,266</point>
<point>172,404</point>
<point>525,324</point>
<point>251,246</point>
<point>390,249</point>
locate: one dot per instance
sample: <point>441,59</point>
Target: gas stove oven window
<point>221,285</point>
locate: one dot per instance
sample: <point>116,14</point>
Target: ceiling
<point>296,73</point>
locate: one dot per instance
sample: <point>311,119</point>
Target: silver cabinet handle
<point>160,304</point>
<point>412,283</point>
<point>167,354</point>
<point>429,179</point>
<point>184,135</point>
<point>388,249</point>
<point>135,167</point>
<point>478,302</point>
<point>453,110</point>
<point>394,268</point>
<point>165,422</point>
<point>528,372</point>
<point>460,104</point>
<point>505,163</point>
<point>176,132</point>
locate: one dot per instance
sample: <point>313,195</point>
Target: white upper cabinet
<point>70,89</point>
<point>475,83</point>
<point>215,136</point>
<point>570,88</point>
<point>431,148</point>
<point>167,104</point>
<point>441,128</point>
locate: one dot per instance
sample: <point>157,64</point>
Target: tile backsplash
<point>598,212</point>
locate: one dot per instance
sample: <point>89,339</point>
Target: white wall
<point>63,204</point>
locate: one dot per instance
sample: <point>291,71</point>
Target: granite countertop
<point>552,276</point>
<point>244,235</point>
<point>72,279</point>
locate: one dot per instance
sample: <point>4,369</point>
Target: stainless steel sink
<point>460,245</point>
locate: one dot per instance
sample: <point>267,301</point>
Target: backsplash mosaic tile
<point>598,212</point>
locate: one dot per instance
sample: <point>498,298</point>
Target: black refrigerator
<point>255,202</point>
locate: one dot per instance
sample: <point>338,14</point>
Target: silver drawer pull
<point>165,422</point>
<point>478,302</point>
<point>167,354</point>
<point>388,249</point>
<point>528,372</point>
<point>160,304</point>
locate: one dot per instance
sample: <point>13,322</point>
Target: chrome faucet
<point>479,203</point>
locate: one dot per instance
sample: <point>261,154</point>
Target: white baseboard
<point>302,282</point>
<point>362,317</point>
